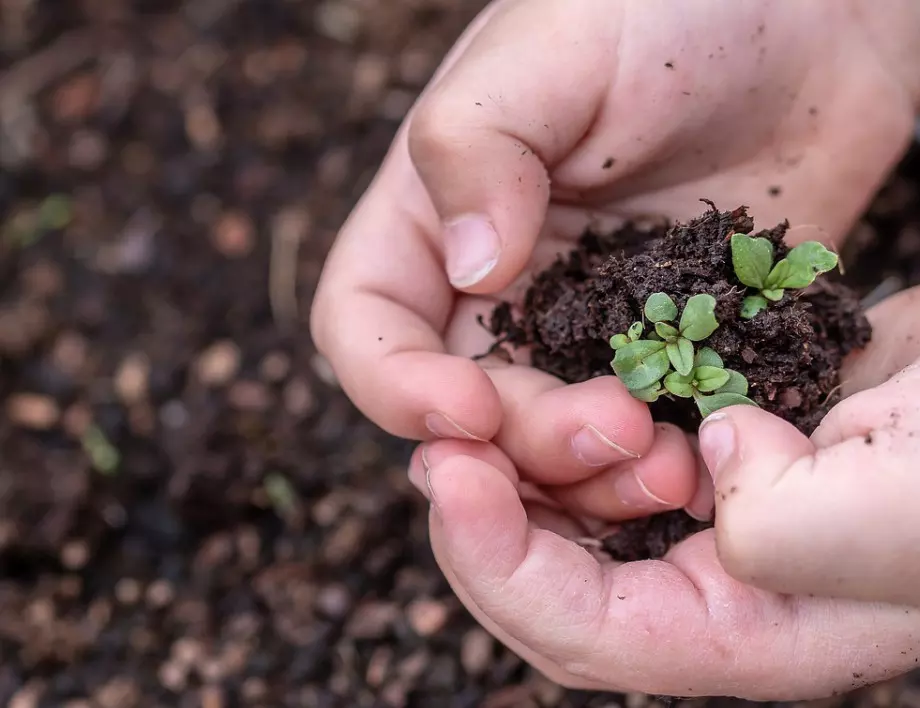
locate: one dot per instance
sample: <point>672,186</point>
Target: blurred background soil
<point>191,512</point>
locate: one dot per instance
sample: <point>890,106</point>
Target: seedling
<point>666,364</point>
<point>752,259</point>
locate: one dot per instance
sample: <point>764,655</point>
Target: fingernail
<point>432,497</point>
<point>442,426</point>
<point>471,248</point>
<point>717,443</point>
<point>595,450</point>
<point>632,492</point>
<point>418,472</point>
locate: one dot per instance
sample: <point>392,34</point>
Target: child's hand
<point>550,115</point>
<point>834,515</point>
<point>745,609</point>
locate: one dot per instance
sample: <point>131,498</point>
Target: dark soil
<point>790,354</point>
<point>257,544</point>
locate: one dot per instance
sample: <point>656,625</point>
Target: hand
<point>550,115</point>
<point>744,609</point>
<point>834,515</point>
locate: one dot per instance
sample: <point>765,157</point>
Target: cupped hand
<point>833,515</point>
<point>808,585</point>
<point>548,116</point>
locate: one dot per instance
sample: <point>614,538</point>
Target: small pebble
<point>219,363</point>
<point>212,697</point>
<point>128,591</point>
<point>249,396</point>
<point>427,617</point>
<point>476,651</point>
<point>33,411</point>
<point>234,234</point>
<point>334,601</point>
<point>160,593</point>
<point>173,676</point>
<point>28,696</point>
<point>298,398</point>
<point>74,554</point>
<point>132,378</point>
<point>275,366</point>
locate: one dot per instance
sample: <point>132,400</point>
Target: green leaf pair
<point>644,364</point>
<point>752,259</point>
<point>641,362</point>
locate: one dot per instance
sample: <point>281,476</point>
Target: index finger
<point>384,300</point>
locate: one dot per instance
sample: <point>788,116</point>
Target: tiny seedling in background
<point>752,259</point>
<point>103,456</point>
<point>666,363</point>
<point>281,494</point>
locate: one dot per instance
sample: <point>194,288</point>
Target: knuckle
<point>432,128</point>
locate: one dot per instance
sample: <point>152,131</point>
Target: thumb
<point>485,135</point>
<point>795,519</point>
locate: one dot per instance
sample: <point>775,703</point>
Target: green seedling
<point>666,364</point>
<point>642,362</point>
<point>709,384</point>
<point>752,259</point>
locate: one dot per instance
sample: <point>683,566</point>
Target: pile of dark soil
<point>790,354</point>
<point>191,512</point>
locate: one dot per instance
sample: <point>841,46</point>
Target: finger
<point>629,626</point>
<point>837,521</point>
<point>886,405</point>
<point>895,343</point>
<point>379,329</point>
<point>383,302</point>
<point>562,434</point>
<point>483,138</point>
<point>703,502</point>
<point>665,478</point>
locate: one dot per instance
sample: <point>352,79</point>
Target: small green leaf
<point>635,331</point>
<point>640,364</point>
<point>815,255</point>
<point>751,259</point>
<point>618,340</point>
<point>779,273</point>
<point>698,320</point>
<point>708,405</point>
<point>707,357</point>
<point>752,306</point>
<point>736,384</point>
<point>660,308</point>
<point>774,295</point>
<point>681,386</point>
<point>666,332</point>
<point>681,355</point>
<point>710,378</point>
<point>649,394</point>
<point>806,262</point>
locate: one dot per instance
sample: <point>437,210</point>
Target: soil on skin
<point>790,354</point>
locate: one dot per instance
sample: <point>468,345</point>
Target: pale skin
<point>501,164</point>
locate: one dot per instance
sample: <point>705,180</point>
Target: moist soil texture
<point>192,514</point>
<point>790,353</point>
